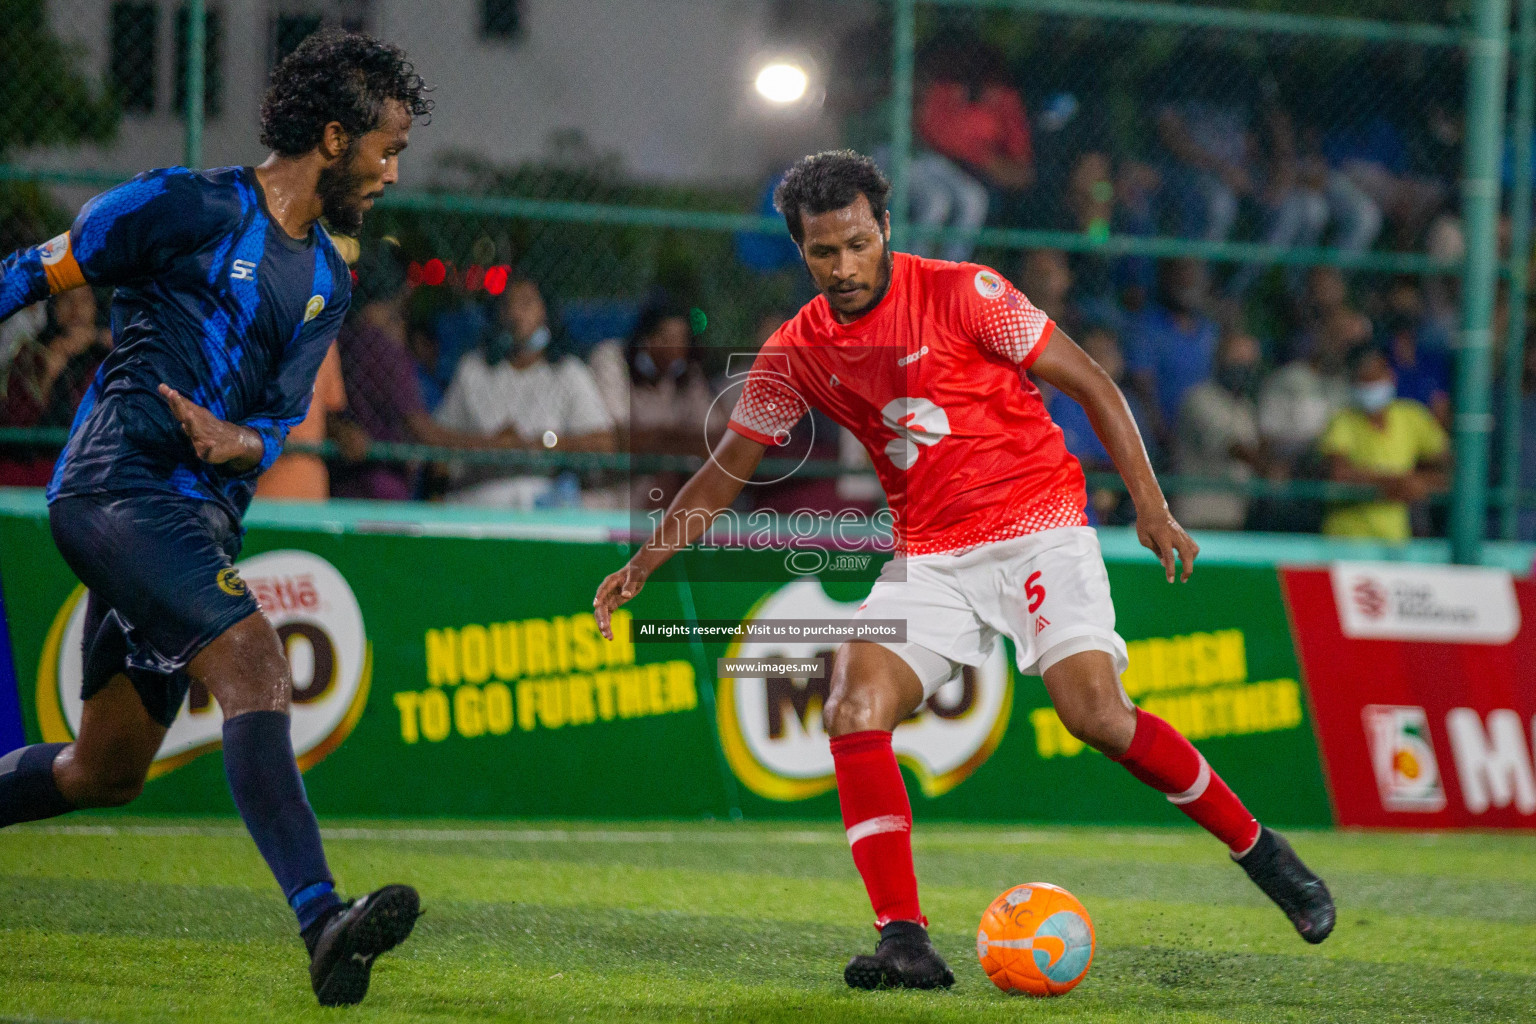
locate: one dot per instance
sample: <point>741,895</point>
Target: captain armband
<point>59,265</point>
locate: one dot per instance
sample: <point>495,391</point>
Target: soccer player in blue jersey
<point>228,294</point>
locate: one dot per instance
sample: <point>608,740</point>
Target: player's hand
<point>1161,534</point>
<point>618,588</point>
<point>217,442</point>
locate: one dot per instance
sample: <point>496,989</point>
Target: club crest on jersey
<point>313,307</point>
<point>230,582</point>
<point>54,250</point>
<point>988,284</point>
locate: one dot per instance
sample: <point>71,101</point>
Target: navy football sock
<point>268,790</point>
<point>27,789</point>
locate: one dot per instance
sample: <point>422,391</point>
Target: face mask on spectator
<point>647,366</point>
<point>538,341</point>
<point>498,345</point>
<point>1375,396</point>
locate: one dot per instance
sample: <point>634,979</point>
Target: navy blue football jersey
<point>213,298</point>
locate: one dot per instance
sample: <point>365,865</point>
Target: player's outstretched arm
<point>1071,370</point>
<point>217,442</point>
<point>704,496</point>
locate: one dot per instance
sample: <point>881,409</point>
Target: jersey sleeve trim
<point>750,434</point>
<point>1046,334</point>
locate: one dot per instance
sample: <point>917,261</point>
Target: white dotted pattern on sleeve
<point>1010,326</point>
<point>768,405</point>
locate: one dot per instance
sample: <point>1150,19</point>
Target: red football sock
<point>879,823</point>
<point>1161,757</point>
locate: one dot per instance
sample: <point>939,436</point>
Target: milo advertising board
<point>442,675</point>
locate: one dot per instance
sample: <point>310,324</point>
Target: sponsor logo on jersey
<point>917,422</point>
<point>1449,604</point>
<point>1403,756</point>
<point>244,270</point>
<point>317,619</point>
<point>914,357</point>
<point>54,250</point>
<point>988,284</point>
<point>313,307</point>
<point>230,582</point>
<point>771,730</point>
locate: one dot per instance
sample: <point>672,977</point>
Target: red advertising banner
<point>1423,687</point>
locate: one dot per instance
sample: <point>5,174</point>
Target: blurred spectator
<point>297,476</point>
<point>1171,344</point>
<point>509,390</point>
<point>1325,294</point>
<point>1207,127</point>
<point>1098,201</point>
<point>1393,443</point>
<point>1372,155</point>
<point>383,393</point>
<point>1218,436</point>
<point>20,329</point>
<point>764,252</point>
<point>1046,277</point>
<point>421,342</point>
<point>974,132</point>
<point>1229,139</point>
<point>1416,350</point>
<point>654,387</point>
<point>48,377</point>
<point>1297,401</point>
<point>1103,347</point>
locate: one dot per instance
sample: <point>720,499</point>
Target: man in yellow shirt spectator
<point>1394,443</point>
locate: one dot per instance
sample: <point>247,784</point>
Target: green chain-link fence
<point>1105,155</point>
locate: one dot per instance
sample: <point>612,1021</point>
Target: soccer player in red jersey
<point>925,361</point>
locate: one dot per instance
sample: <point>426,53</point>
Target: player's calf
<point>97,785</point>
<point>28,791</point>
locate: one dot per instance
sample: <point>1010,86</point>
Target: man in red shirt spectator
<point>972,123</point>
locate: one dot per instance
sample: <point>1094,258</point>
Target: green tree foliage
<point>49,102</point>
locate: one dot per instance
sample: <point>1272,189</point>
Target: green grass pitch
<point>120,919</point>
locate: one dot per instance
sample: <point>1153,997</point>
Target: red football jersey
<point>931,382</point>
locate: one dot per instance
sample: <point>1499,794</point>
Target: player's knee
<point>853,708</point>
<point>1106,722</point>
<point>246,669</point>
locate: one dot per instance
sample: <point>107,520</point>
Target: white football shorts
<point>1048,592</point>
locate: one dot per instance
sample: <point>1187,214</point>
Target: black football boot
<point>903,959</point>
<point>1275,868</point>
<point>341,955</point>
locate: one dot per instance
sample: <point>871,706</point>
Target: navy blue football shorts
<point>162,582</point>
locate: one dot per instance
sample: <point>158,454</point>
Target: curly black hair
<point>829,181</point>
<point>337,76</point>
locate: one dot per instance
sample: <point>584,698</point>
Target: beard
<point>341,196</point>
<point>882,285</point>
